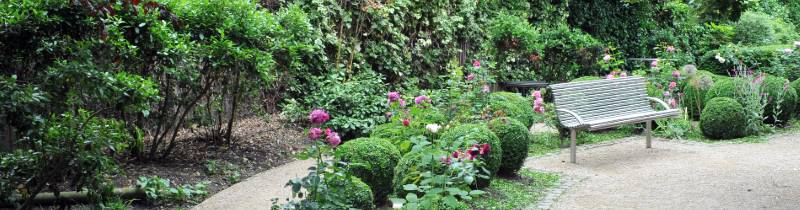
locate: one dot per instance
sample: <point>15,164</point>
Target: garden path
<point>679,175</point>
<point>257,191</point>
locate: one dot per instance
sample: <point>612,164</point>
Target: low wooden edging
<point>73,197</point>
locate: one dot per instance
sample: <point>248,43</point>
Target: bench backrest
<point>601,99</point>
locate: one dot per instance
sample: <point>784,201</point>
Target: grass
<point>516,193</point>
<point>696,135</point>
<point>544,143</point>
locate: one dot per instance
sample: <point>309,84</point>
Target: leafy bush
<point>468,134</point>
<point>726,88</point>
<point>410,168</point>
<point>357,103</point>
<point>619,23</point>
<point>723,118</point>
<point>397,134</point>
<point>513,43</point>
<point>514,138</point>
<point>568,53</point>
<point>513,105</point>
<point>724,60</point>
<point>755,28</point>
<point>356,193</point>
<point>381,157</point>
<point>781,100</point>
<point>695,91</point>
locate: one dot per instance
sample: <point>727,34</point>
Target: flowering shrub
<point>329,184</point>
<point>443,187</point>
<point>468,135</point>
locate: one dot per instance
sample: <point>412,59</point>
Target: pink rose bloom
<point>393,96</point>
<point>672,103</point>
<point>537,94</point>
<point>654,63</point>
<point>333,139</point>
<point>610,76</point>
<point>672,85</point>
<point>676,74</point>
<point>421,99</point>
<point>476,63</point>
<point>486,88</point>
<point>456,153</point>
<point>402,102</point>
<point>485,148</point>
<point>318,116</point>
<point>470,76</point>
<point>314,133</point>
<point>666,94</point>
<point>623,74</point>
<point>406,122</point>
<point>670,49</point>
<point>538,102</point>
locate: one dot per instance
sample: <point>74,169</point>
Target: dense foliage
<point>470,134</point>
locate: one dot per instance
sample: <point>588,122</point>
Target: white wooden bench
<point>607,103</point>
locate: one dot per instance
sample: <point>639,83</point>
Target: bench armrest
<point>664,104</point>
<point>574,115</point>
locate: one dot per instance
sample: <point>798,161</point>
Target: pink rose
<point>421,99</point>
<point>314,133</point>
<point>333,139</point>
<point>606,57</point>
<point>654,63</point>
<point>610,76</point>
<point>470,76</point>
<point>318,116</point>
<point>402,102</point>
<point>476,63</point>
<point>537,94</point>
<point>672,85</point>
<point>672,103</point>
<point>676,74</point>
<point>406,122</point>
<point>666,94</point>
<point>393,96</point>
<point>623,74</point>
<point>670,49</point>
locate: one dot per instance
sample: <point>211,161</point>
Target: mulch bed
<point>260,144</point>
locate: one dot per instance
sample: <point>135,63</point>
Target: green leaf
<point>412,198</point>
<point>410,187</point>
<point>477,192</point>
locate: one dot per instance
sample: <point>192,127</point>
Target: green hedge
<point>769,59</point>
<point>514,138</point>
<point>464,136</point>
<point>380,155</point>
<point>397,134</point>
<point>513,105</point>
<point>723,118</point>
<point>356,193</point>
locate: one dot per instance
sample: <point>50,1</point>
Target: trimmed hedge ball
<point>514,138</point>
<point>397,134</point>
<point>464,136</point>
<point>727,88</point>
<point>410,167</point>
<point>382,157</point>
<point>356,193</point>
<point>513,105</point>
<point>778,87</point>
<point>723,118</point>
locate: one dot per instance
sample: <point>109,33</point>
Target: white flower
<point>788,51</point>
<point>720,58</point>
<point>797,44</point>
<point>397,205</point>
<point>433,128</point>
<point>607,58</point>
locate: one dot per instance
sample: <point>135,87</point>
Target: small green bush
<point>695,91</point>
<point>513,105</point>
<point>410,167</point>
<point>723,118</point>
<point>514,138</point>
<point>380,155</point>
<point>466,135</point>
<point>779,88</point>
<point>397,134</point>
<point>730,88</point>
<point>357,193</point>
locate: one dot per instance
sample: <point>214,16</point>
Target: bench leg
<point>648,133</point>
<point>572,136</point>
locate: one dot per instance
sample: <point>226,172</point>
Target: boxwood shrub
<point>357,193</point>
<point>727,87</point>
<point>723,118</point>
<point>464,136</point>
<point>381,156</point>
<point>776,87</point>
<point>513,105</point>
<point>397,134</point>
<point>410,167</point>
<point>514,138</point>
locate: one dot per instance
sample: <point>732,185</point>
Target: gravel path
<point>257,191</point>
<point>678,175</point>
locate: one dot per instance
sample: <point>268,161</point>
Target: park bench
<point>607,103</point>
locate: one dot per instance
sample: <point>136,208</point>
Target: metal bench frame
<point>602,104</point>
